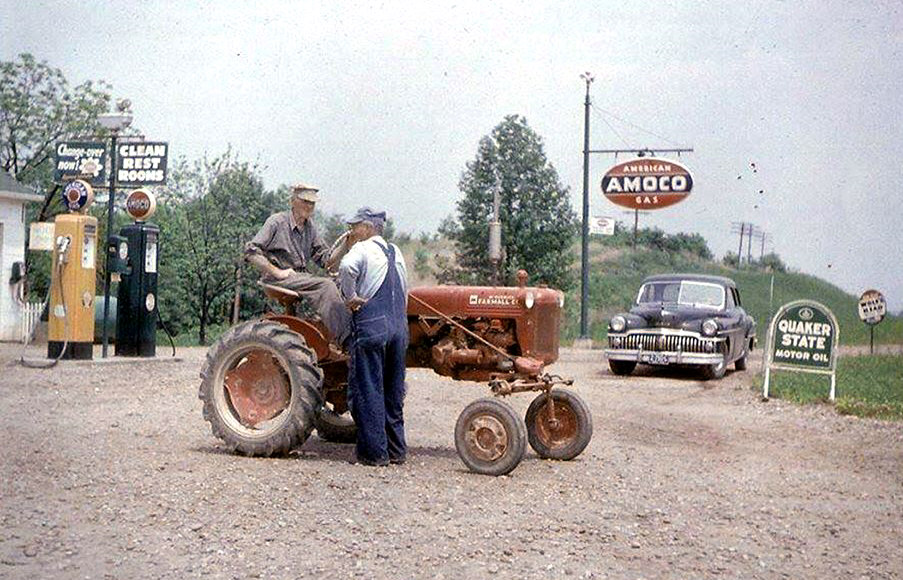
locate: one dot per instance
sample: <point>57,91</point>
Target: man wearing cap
<point>373,280</point>
<point>283,248</point>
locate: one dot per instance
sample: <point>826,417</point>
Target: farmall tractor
<point>268,383</point>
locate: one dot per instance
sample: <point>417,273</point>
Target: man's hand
<point>355,303</point>
<point>282,274</point>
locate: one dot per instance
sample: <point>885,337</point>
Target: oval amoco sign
<point>647,183</point>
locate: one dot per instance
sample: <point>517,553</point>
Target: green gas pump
<point>136,310</point>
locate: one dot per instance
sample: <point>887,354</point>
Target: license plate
<point>656,358</point>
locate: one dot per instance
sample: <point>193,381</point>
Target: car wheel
<point>740,363</point>
<point>716,371</point>
<point>621,367</point>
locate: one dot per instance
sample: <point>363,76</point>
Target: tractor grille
<point>547,317</point>
<point>659,343</point>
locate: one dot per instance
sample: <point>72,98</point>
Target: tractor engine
<point>482,332</point>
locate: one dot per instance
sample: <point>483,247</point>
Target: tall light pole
<point>584,257</point>
<point>114,122</point>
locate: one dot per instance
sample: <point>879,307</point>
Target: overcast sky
<point>384,103</point>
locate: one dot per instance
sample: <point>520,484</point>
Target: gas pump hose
<point>166,330</point>
<point>52,363</point>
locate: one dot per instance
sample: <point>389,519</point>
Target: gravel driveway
<point>109,471</point>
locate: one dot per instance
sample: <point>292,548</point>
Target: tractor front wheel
<point>559,425</point>
<point>490,437</point>
<point>261,388</point>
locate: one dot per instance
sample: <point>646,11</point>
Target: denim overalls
<point>376,371</point>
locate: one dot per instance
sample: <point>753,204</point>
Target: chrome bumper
<point>651,357</point>
<point>661,346</point>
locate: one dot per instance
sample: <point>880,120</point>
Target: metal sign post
<point>803,337</point>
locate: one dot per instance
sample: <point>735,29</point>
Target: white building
<point>13,197</point>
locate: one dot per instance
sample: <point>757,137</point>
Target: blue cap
<point>366,214</point>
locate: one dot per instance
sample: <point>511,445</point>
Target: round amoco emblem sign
<point>141,204</point>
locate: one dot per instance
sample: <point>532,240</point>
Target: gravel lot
<point>109,471</point>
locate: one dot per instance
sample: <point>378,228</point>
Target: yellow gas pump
<point>71,317</point>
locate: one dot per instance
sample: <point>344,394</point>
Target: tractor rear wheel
<point>261,388</point>
<point>565,436</point>
<point>490,437</point>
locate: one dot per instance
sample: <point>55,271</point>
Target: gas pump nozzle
<point>62,249</point>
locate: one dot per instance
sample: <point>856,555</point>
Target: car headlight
<point>618,323</point>
<point>709,327</point>
<point>529,300</point>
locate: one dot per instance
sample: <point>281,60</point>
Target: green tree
<point>213,207</point>
<point>422,262</point>
<point>538,223</point>
<point>38,107</point>
<point>731,259</point>
<point>772,261</point>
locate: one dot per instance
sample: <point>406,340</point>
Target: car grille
<point>660,343</point>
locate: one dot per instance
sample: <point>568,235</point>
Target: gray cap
<point>366,214</point>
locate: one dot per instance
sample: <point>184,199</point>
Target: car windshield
<point>698,294</point>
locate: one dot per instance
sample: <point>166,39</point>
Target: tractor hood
<point>480,301</point>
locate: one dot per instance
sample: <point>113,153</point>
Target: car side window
<point>737,297</point>
<point>731,299</point>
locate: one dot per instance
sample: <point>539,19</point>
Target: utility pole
<point>749,245</point>
<point>763,238</point>
<point>636,222</point>
<point>584,256</point>
<point>584,262</point>
<point>743,228</point>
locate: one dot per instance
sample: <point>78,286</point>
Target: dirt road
<point>108,471</point>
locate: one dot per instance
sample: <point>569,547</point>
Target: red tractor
<point>268,383</point>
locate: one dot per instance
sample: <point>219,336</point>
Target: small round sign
<point>141,204</point>
<point>872,307</point>
<point>78,195</point>
<point>150,301</point>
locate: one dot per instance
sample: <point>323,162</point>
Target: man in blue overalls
<point>373,281</point>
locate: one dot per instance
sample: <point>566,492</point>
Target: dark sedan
<point>683,319</point>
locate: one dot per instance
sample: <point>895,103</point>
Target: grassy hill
<point>616,273</point>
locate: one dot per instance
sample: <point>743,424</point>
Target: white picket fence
<point>31,314</point>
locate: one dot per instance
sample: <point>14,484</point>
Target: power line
<point>615,131</point>
<point>634,125</point>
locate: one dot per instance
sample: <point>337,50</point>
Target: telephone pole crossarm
<point>644,151</point>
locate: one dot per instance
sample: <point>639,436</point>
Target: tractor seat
<point>285,297</point>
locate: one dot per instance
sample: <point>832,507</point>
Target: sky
<point>793,109</point>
